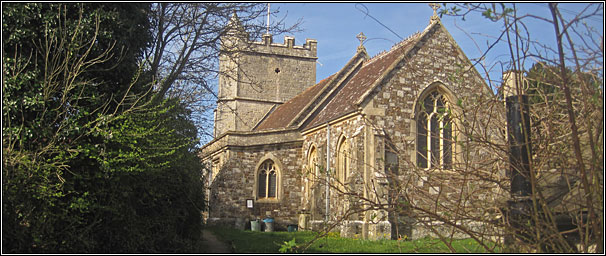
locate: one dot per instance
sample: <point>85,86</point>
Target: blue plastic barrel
<point>269,224</point>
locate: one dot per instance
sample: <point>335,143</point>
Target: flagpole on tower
<point>268,18</point>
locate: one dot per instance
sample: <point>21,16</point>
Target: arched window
<point>434,133</point>
<point>267,181</point>
<point>313,168</point>
<point>343,160</point>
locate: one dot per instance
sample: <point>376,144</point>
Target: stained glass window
<point>267,181</point>
<point>434,133</point>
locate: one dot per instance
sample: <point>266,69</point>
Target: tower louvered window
<point>434,133</point>
<point>267,183</point>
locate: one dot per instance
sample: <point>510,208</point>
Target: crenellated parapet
<point>257,76</point>
<point>288,48</point>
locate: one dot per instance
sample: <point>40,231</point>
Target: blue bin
<point>269,224</point>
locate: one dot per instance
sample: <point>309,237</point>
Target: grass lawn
<point>246,241</point>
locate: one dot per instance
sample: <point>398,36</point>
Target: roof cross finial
<point>435,7</point>
<point>361,37</point>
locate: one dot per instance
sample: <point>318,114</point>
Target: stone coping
<point>248,139</point>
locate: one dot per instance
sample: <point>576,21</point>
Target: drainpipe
<point>327,171</point>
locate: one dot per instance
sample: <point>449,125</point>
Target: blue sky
<point>335,26</point>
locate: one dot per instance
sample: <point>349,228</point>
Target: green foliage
<point>288,246</point>
<point>154,175</point>
<point>88,165</point>
<point>245,241</point>
<point>543,82</point>
<point>449,11</point>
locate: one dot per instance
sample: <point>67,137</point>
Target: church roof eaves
<point>343,92</point>
<point>372,72</point>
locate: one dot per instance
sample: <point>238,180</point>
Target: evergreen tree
<point>89,164</point>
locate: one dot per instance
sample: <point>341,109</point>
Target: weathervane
<point>435,7</point>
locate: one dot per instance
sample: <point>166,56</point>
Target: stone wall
<point>384,123</point>
<point>352,131</point>
<point>366,179</point>
<point>277,72</point>
<point>235,182</point>
<point>256,76</point>
<point>387,123</point>
<point>438,64</point>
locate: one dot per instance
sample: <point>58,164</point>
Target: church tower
<point>256,77</point>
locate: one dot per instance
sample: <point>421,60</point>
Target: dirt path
<point>213,244</point>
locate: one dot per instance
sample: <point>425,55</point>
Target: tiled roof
<point>344,97</point>
<point>362,81</point>
<point>285,113</point>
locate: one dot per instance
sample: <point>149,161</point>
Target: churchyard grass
<point>246,241</point>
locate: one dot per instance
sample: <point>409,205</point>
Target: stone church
<point>299,152</point>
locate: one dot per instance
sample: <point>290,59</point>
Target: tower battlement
<point>256,77</point>
<point>288,48</point>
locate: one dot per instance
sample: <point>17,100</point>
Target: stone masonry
<point>377,121</point>
<point>258,76</point>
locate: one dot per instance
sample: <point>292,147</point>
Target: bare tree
<point>187,40</point>
<point>563,211</point>
<point>565,204</point>
<point>566,177</point>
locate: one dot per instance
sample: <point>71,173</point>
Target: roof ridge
<point>410,40</point>
<point>393,48</point>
